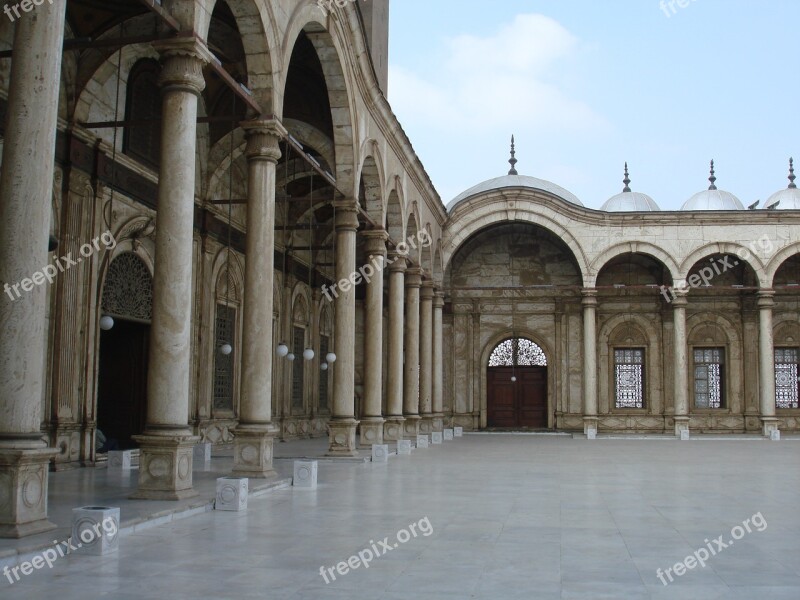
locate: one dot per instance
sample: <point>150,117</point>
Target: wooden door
<point>520,404</point>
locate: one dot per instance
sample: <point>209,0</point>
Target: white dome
<point>789,199</point>
<point>630,202</point>
<point>713,200</point>
<point>514,181</point>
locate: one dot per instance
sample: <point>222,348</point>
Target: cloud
<point>503,81</point>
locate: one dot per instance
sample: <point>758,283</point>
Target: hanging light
<point>225,349</point>
<point>324,366</point>
<point>513,379</point>
<point>290,356</point>
<point>282,349</point>
<point>308,354</point>
<point>106,322</point>
<point>330,357</point>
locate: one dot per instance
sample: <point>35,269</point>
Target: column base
<point>411,427</point>
<point>438,422</point>
<point>393,429</point>
<point>252,452</point>
<point>590,427</point>
<point>23,491</point>
<point>426,425</point>
<point>342,435</point>
<point>769,427</point>
<point>371,432</point>
<point>682,427</point>
<point>165,467</point>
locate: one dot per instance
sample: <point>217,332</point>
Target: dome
<point>629,201</point>
<point>788,199</point>
<point>514,180</point>
<point>713,198</point>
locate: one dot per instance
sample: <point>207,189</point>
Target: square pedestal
<point>371,431</point>
<point>458,431</point>
<point>120,460</point>
<point>202,454</point>
<point>393,429</point>
<point>422,441</point>
<point>95,530</point>
<point>165,467</point>
<point>684,434</point>
<point>305,474</point>
<point>437,437</point>
<point>448,435</point>
<point>232,493</point>
<point>404,447</point>
<point>380,453</point>
<point>775,435</point>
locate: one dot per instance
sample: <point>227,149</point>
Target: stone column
<point>681,364</point>
<point>393,428</point>
<point>589,361</point>
<point>342,426</point>
<point>438,363</point>
<point>426,357</point>
<point>766,362</point>
<point>252,450</point>
<point>26,191</point>
<point>411,367</point>
<point>165,471</point>
<point>372,417</point>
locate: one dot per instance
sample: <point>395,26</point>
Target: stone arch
<point>438,272</point>
<point>310,19</point>
<point>228,276</point>
<point>394,213</point>
<point>371,182</point>
<point>635,247</point>
<point>412,230</point>
<point>777,261</point>
<point>127,290</point>
<point>744,254</point>
<point>258,30</point>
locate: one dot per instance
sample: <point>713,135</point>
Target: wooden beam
<point>155,7</point>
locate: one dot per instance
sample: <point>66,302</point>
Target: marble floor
<point>495,516</point>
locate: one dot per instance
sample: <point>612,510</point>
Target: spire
<point>713,178</point>
<point>627,180</point>
<point>513,161</point>
<point>792,184</point>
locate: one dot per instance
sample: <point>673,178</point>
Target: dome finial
<point>513,161</point>
<point>713,178</point>
<point>792,184</point>
<point>627,180</point>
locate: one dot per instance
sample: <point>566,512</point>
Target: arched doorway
<point>517,385</point>
<point>122,376</point>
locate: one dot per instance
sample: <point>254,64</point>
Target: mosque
<point>196,174</point>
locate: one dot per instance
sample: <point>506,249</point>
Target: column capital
<point>346,215</point>
<point>263,137</point>
<point>413,277</point>
<point>426,289</point>
<point>183,60</point>
<point>397,262</point>
<point>438,300</point>
<point>375,242</point>
<point>766,298</point>
<point>589,297</point>
<point>680,298</point>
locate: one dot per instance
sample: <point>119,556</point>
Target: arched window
<point>142,140</point>
<point>128,290</point>
<point>517,352</point>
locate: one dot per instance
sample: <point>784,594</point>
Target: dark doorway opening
<point>122,382</point>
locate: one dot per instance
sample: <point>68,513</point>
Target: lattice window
<point>629,377</point>
<point>223,365</point>
<point>324,376</point>
<point>128,290</point>
<point>517,352</point>
<point>787,384</point>
<point>709,382</point>
<point>143,140</point>
<point>298,366</point>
